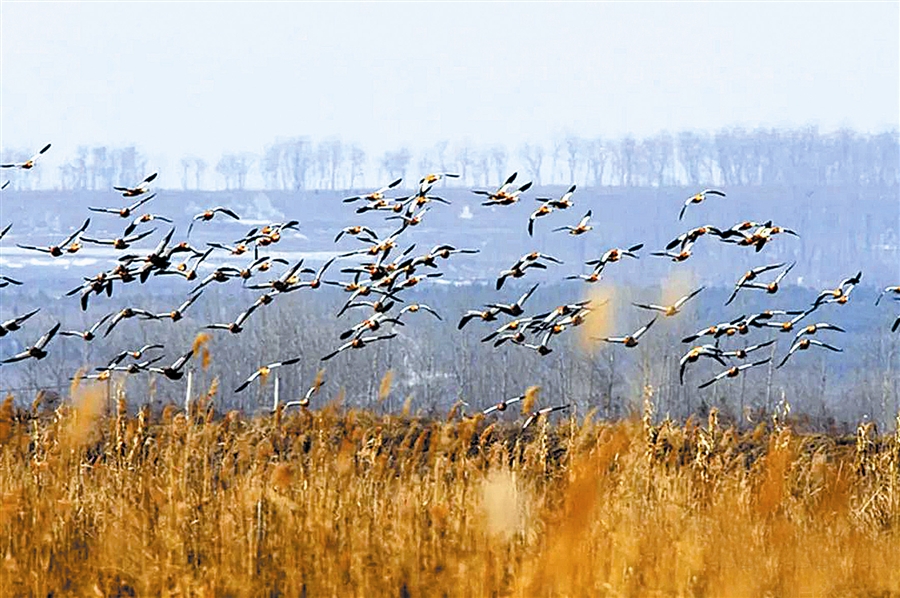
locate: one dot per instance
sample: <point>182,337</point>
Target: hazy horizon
<point>192,79</point>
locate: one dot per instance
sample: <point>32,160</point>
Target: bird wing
<point>17,357</point>
<point>76,233</point>
<point>179,363</point>
<point>826,345</point>
<point>649,306</point>
<point>643,329</point>
<point>42,342</point>
<point>338,350</point>
<point>687,297</point>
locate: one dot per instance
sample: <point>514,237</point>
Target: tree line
<point>730,157</point>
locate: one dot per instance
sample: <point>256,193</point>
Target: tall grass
<point>336,502</point>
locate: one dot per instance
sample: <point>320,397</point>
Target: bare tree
<point>464,161</point>
<point>693,149</point>
<point>499,160</point>
<point>99,169</point>
<point>396,163</point>
<point>556,154</point>
<point>626,157</point>
<point>186,164</point>
<point>199,169</point>
<point>598,158</point>
<point>440,154</point>
<point>332,158</point>
<point>270,166</point>
<point>533,155</point>
<point>297,162</point>
<point>658,151</point>
<point>226,168</point>
<point>574,147</point>
<point>357,162</point>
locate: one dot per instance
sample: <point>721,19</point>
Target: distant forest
<point>730,157</point>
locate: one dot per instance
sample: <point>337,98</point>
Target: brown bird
<point>138,189</point>
<point>237,326</point>
<point>669,310</point>
<point>15,323</point>
<point>614,255</point>
<point>788,325</point>
<point>580,228</point>
<point>358,343</point>
<point>543,210</point>
<point>428,181</point>
<point>36,351</point>
<point>691,236</point>
<point>743,353</point>
<point>176,370</point>
<point>530,260</point>
<point>814,328</point>
<point>177,313</point>
<point>514,309</point>
<point>29,163</point>
<point>89,334</point>
<point>630,340</point>
<point>127,211</point>
<point>487,315</point>
<point>502,405</point>
<point>711,351</point>
<point>264,371</point>
<point>120,242</point>
<point>698,198</point>
<point>839,294</point>
<point>67,246</point>
<point>376,195</point>
<point>564,202</point>
<point>771,287</point>
<point>749,276</point>
<point>505,194</point>
<point>541,413</point>
<point>136,354</point>
<point>207,215</point>
<point>124,314</point>
<point>734,371</point>
<point>803,344</point>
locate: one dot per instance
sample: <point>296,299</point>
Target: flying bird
<point>125,212</point>
<point>67,246</point>
<point>669,310</point>
<point>89,334</point>
<point>734,371</point>
<point>176,370</point>
<point>138,189</point>
<point>805,343</point>
<point>207,215</point>
<point>630,340</point>
<point>698,198</point>
<point>264,371</point>
<point>541,413</point>
<point>14,324</point>
<point>580,228</point>
<point>358,343</point>
<point>37,350</point>
<point>29,163</point>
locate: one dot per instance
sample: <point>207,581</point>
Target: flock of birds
<point>384,271</point>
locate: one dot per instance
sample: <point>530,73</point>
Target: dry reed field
<point>337,502</point>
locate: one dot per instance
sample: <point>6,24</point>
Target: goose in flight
<point>138,189</point>
<point>29,163</point>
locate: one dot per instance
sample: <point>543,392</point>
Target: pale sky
<point>203,78</point>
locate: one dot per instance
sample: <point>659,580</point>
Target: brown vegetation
<point>337,502</point>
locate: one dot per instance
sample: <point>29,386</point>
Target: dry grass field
<point>335,502</point>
